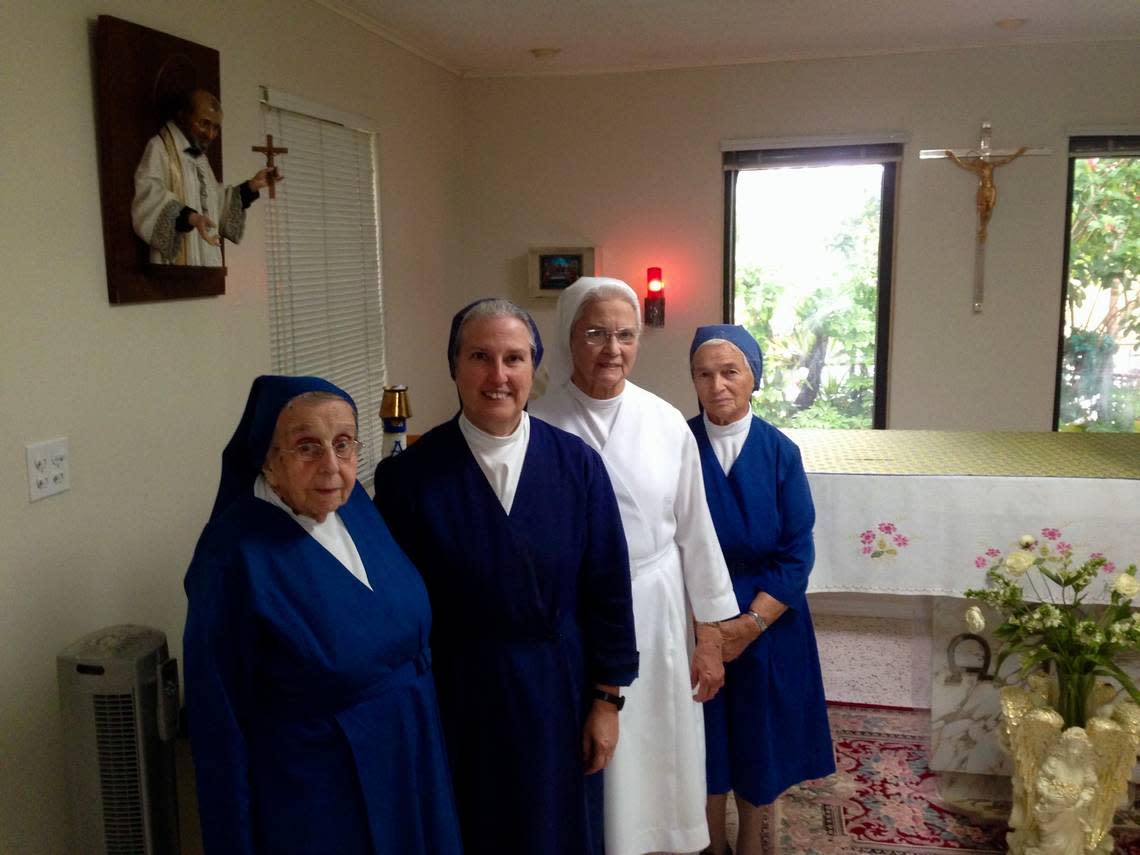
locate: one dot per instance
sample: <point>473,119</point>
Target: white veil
<point>558,361</point>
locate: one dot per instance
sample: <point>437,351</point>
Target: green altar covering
<point>933,452</point>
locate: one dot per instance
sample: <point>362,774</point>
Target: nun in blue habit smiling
<point>515,527</point>
<point>313,716</point>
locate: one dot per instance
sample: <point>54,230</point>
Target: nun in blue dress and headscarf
<point>767,729</point>
<point>313,717</point>
<point>514,525</point>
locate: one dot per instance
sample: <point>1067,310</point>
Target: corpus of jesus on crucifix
<point>982,162</point>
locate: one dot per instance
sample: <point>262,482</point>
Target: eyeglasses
<point>600,337</point>
<point>344,449</point>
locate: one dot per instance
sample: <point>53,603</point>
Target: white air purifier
<point>119,698</point>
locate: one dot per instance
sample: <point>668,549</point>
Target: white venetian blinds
<point>324,263</point>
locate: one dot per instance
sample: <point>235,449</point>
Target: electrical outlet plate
<point>49,471</point>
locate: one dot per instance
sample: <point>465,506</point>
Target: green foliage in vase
<point>1055,628</point>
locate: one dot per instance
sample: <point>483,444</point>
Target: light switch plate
<point>49,470</point>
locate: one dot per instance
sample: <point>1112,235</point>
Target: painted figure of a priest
<point>180,209</point>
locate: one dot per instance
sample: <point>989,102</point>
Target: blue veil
<point>461,315</point>
<point>245,453</point>
<point>737,335</point>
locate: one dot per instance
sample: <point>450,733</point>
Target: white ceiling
<point>480,38</point>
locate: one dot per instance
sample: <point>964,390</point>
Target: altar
<point>921,513</point>
<point>914,512</point>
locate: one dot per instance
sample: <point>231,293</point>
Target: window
<point>324,260</point>
<point>808,234</point>
<point>1098,373</point>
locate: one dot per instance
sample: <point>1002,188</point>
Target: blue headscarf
<point>457,322</point>
<point>245,453</point>
<point>738,336</point>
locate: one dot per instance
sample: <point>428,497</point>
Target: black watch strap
<point>602,695</point>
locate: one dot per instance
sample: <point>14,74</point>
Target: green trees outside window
<point>807,285</point>
<point>1099,378</point>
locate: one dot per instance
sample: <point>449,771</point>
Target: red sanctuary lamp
<point>654,298</point>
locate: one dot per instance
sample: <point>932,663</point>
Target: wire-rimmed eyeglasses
<point>600,337</point>
<point>310,450</point>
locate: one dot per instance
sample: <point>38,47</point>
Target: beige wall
<point>148,394</point>
<point>632,163</point>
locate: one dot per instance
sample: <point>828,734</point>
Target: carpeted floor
<point>883,798</point>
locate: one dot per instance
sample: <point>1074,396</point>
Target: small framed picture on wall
<point>554,268</point>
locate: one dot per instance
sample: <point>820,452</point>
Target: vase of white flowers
<point>1073,736</point>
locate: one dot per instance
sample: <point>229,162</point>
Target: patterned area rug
<point>883,798</point>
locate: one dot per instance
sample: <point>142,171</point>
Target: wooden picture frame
<point>140,73</point>
<point>552,269</point>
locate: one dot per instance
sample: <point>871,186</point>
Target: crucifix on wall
<point>982,162</point>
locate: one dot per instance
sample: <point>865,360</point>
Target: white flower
<point>1050,616</point>
<point>974,619</point>
<point>1027,541</point>
<point>1018,562</point>
<point>1126,586</point>
<point>1088,633</point>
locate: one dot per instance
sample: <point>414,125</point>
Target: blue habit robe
<point>312,712</point>
<point>767,729</point>
<point>530,610</point>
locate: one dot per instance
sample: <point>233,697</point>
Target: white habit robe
<point>655,783</point>
<point>163,187</point>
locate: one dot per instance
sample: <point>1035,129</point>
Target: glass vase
<point>1073,690</point>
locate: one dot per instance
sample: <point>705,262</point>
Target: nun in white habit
<point>655,783</point>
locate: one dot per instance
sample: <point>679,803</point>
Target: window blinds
<point>324,266</point>
<point>841,155</point>
<point>1104,145</point>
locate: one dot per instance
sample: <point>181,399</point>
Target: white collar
<point>488,441</point>
<point>741,425</point>
<point>596,403</point>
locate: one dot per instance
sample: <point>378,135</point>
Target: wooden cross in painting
<point>269,151</point>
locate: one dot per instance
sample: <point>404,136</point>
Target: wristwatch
<point>602,695</point>
<point>760,622</point>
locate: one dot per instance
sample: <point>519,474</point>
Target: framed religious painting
<point>552,269</point>
<point>141,76</point>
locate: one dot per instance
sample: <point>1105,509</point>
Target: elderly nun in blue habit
<point>313,716</point>
<point>768,727</point>
<point>515,528</point>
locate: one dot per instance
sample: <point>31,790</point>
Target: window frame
<point>1082,144</point>
<point>785,153</point>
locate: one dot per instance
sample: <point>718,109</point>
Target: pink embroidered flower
<point>900,540</point>
<point>980,562</point>
<point>867,537</point>
<point>1065,548</point>
<point>867,550</point>
<point>1094,556</point>
<point>887,528</point>
<point>1050,533</point>
<point>1109,567</point>
<point>993,552</point>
